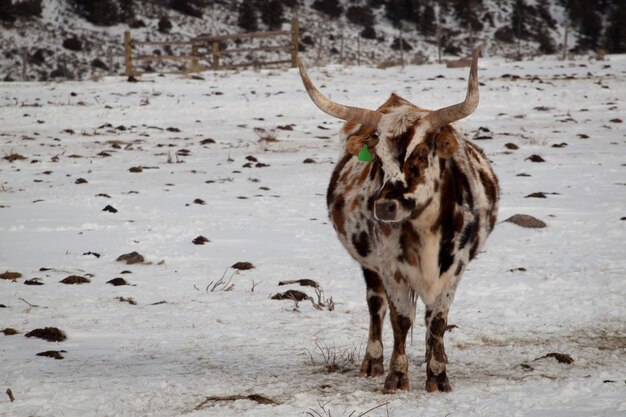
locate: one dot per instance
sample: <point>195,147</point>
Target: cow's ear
<point>446,143</point>
<point>355,143</point>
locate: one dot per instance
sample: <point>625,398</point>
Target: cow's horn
<point>446,115</point>
<point>352,114</point>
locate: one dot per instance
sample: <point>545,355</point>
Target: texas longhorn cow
<point>413,217</point>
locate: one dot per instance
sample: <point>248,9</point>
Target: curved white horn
<point>446,115</point>
<point>352,114</point>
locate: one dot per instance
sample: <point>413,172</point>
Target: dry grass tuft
<point>333,359</point>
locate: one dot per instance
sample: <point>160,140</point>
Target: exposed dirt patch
<point>10,275</point>
<point>560,357</point>
<point>116,282</point>
<point>13,157</point>
<point>535,158</point>
<point>302,282</point>
<point>51,334</point>
<point>33,281</point>
<point>243,266</point>
<point>527,221</point>
<point>200,240</point>
<point>75,279</point>
<point>9,331</point>
<point>56,354</point>
<point>128,300</point>
<point>130,258</point>
<point>252,397</point>
<point>294,295</point>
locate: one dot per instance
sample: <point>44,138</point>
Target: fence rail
<point>210,48</point>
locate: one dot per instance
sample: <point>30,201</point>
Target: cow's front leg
<point>401,310</point>
<point>377,304</point>
<point>436,359</point>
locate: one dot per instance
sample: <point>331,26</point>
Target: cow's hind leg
<point>377,304</point>
<point>436,323</point>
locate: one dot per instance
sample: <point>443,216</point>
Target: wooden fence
<point>209,48</point>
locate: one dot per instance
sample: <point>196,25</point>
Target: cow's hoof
<point>372,366</point>
<point>439,382</point>
<point>396,381</point>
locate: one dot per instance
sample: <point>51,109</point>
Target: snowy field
<point>176,341</point>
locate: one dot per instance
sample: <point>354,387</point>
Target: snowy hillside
<point>90,171</point>
<point>62,45</point>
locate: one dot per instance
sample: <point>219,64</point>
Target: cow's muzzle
<point>386,210</point>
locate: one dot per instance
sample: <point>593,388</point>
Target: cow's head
<point>410,142</point>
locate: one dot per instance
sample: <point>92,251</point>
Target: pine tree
<point>590,28</point>
<point>360,15</point>
<point>546,44</point>
<point>127,10</point>
<point>272,14</point>
<point>394,12</point>
<point>247,19</point>
<point>330,7</point>
<point>543,10</point>
<point>6,14</point>
<point>518,18</point>
<point>402,10</point>
<point>427,25</point>
<point>466,11</point>
<point>615,34</point>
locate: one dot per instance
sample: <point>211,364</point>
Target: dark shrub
<point>395,45</point>
<point>330,7</point>
<point>360,16</point>
<point>165,25</point>
<point>368,33</point>
<point>504,34</point>
<point>73,44</point>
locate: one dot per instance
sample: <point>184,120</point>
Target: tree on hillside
<point>402,10</point>
<point>427,23</point>
<point>615,34</point>
<point>127,10</point>
<point>330,7</point>
<point>187,7</point>
<point>360,15</point>
<point>247,19</point>
<point>98,12</point>
<point>467,12</point>
<point>272,13</point>
<point>589,28</point>
<point>518,18</point>
<point>543,10</point>
<point>5,11</point>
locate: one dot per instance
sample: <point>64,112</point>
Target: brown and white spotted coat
<point>413,218</point>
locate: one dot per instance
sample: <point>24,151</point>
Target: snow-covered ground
<point>533,292</point>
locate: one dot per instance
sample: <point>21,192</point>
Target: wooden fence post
<point>128,53</point>
<point>194,61</point>
<point>565,41</point>
<point>216,55</point>
<point>25,64</point>
<point>295,29</point>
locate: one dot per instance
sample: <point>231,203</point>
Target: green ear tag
<point>365,155</point>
